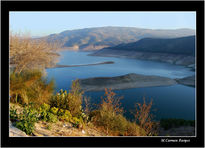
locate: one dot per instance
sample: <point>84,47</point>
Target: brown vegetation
<point>30,86</point>
<point>27,53</point>
<point>109,117</point>
<point>144,118</point>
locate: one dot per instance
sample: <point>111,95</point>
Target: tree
<point>27,53</point>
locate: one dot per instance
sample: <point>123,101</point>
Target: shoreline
<point>183,60</point>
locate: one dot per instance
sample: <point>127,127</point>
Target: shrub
<point>66,116</point>
<point>71,101</point>
<point>84,117</point>
<point>43,111</point>
<point>109,115</point>
<point>51,117</point>
<point>30,86</point>
<point>134,130</point>
<point>13,114</point>
<point>45,107</point>
<point>46,113</point>
<point>28,54</point>
<point>25,121</point>
<point>54,110</point>
<point>61,112</point>
<point>87,105</point>
<point>77,122</point>
<point>144,117</point>
<point>75,98</point>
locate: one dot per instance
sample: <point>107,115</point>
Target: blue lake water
<point>176,101</point>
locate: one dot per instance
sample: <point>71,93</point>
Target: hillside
<point>100,37</point>
<point>179,51</point>
<point>183,45</point>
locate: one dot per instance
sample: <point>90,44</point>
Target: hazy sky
<point>44,23</point>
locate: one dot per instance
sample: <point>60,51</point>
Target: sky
<point>45,23</point>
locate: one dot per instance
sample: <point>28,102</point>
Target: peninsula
<point>100,63</point>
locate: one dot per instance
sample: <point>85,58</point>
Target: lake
<point>176,101</point>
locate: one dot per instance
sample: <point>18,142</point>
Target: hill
<point>180,51</point>
<point>183,45</point>
<point>100,37</point>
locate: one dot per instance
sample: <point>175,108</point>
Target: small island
<point>124,82</point>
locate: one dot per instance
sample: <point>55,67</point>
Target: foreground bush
<point>30,86</point>
<point>26,120</point>
<point>110,118</point>
<point>71,101</point>
<point>144,118</point>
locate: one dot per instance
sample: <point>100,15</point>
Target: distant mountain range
<point>101,37</point>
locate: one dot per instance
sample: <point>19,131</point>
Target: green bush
<point>46,113</point>
<point>54,110</point>
<point>84,117</point>
<point>61,112</point>
<point>45,107</point>
<point>71,101</point>
<point>66,116</point>
<point>51,117</point>
<point>43,111</point>
<point>77,122</point>
<point>25,121</point>
<point>13,114</point>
